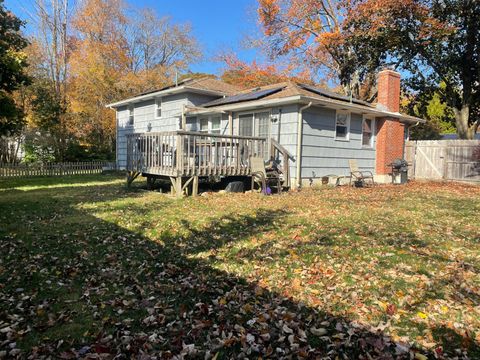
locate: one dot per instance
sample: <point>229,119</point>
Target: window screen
<point>246,125</point>
<point>158,108</point>
<point>367,132</point>
<point>342,126</point>
<point>263,124</point>
<point>204,124</point>
<point>215,122</point>
<point>131,117</point>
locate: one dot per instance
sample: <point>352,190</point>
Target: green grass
<point>87,266</point>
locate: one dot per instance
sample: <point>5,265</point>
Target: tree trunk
<point>462,116</point>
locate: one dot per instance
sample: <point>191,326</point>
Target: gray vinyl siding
<point>322,154</point>
<point>286,127</point>
<point>285,121</point>
<point>145,120</point>
<point>122,130</point>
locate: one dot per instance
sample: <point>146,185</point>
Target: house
<point>312,132</point>
<point>455,136</point>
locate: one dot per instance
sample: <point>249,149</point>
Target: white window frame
<point>372,139</point>
<point>254,120</point>
<point>200,124</point>
<point>210,124</point>
<point>210,128</point>
<point>158,106</point>
<point>238,121</point>
<point>131,115</point>
<point>349,119</point>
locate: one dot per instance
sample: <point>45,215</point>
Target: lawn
<point>91,269</point>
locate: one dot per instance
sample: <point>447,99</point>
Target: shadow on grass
<point>73,285</point>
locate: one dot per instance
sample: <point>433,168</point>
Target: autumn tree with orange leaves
<point>83,58</point>
<point>435,42</point>
<point>311,34</point>
<point>248,75</point>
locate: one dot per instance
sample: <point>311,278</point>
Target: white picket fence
<point>457,160</point>
<point>54,169</point>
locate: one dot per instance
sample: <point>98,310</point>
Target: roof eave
<point>365,110</point>
<point>245,105</point>
<point>171,91</point>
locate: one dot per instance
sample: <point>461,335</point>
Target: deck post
<point>173,188</point>
<point>179,189</point>
<point>195,186</point>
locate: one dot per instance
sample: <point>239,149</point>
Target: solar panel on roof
<point>333,95</point>
<point>255,95</point>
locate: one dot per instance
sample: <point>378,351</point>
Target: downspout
<point>299,144</point>
<point>279,124</point>
<point>407,138</point>
<point>409,127</point>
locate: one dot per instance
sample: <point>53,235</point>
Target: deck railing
<point>184,153</point>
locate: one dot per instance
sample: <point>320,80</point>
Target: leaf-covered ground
<point>89,269</point>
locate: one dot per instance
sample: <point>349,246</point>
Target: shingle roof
<point>283,90</point>
<point>209,83</point>
<point>203,83</point>
<point>291,90</point>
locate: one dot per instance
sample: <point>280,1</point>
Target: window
<point>245,125</point>
<point>203,124</point>
<point>158,108</point>
<point>342,126</point>
<point>191,122</point>
<point>215,125</point>
<point>131,118</point>
<point>262,124</point>
<point>367,133</point>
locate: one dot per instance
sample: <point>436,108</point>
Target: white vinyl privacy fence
<point>457,160</point>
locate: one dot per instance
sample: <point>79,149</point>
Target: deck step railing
<point>184,153</point>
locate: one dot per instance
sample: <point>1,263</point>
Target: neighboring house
<point>455,136</point>
<point>320,130</point>
<point>12,149</point>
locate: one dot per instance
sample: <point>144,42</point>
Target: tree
<point>311,33</point>
<point>49,54</point>
<point>100,62</point>
<point>157,42</point>
<point>12,71</point>
<point>249,75</point>
<point>439,116</point>
<point>434,41</point>
<point>118,54</point>
<point>85,56</point>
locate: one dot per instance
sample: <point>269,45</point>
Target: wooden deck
<point>184,156</point>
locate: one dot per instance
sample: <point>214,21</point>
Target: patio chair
<point>357,176</point>
<point>263,177</point>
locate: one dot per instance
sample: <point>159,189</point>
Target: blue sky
<point>217,24</point>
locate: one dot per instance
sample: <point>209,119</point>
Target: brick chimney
<point>390,132</point>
